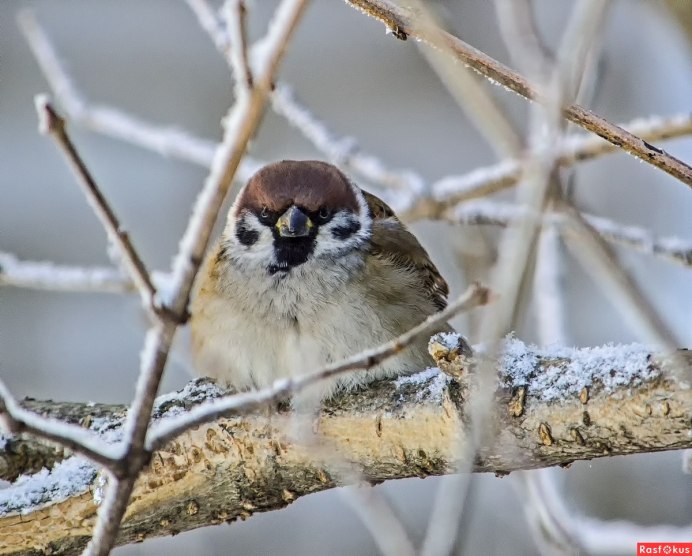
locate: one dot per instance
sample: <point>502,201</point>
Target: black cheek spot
<point>346,230</point>
<point>246,236</point>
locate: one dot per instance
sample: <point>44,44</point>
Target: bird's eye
<point>264,214</point>
<point>324,214</point>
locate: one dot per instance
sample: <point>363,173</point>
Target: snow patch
<point>449,340</point>
<point>68,478</point>
<point>607,367</point>
<point>194,392</point>
<point>432,380</point>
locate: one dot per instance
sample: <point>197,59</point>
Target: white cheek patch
<point>253,242</point>
<point>343,233</point>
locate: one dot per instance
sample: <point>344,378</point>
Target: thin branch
<point>404,23</point>
<point>342,151</point>
<point>379,519</point>
<point>467,89</point>
<point>166,141</point>
<point>549,520</point>
<point>670,248</point>
<point>575,148</point>
<point>239,404</point>
<point>51,123</point>
<point>687,462</point>
<point>210,23</point>
<point>553,528</point>
<point>618,537</point>
<point>597,259</point>
<point>548,291</point>
<point>49,276</point>
<point>241,123</point>
<point>522,39</point>
<point>235,13</point>
<point>518,242</point>
<point>449,190</point>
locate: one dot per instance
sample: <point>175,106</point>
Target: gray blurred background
<point>151,58</point>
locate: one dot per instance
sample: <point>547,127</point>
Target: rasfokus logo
<point>664,548</point>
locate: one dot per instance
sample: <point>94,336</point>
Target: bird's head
<point>291,212</point>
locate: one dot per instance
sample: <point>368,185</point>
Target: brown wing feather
<point>391,240</point>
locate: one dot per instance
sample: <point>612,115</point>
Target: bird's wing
<point>393,242</point>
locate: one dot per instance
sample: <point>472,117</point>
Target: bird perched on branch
<point>310,269</point>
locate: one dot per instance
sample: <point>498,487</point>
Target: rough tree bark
<point>410,427</point>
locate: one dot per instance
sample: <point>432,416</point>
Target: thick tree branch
<point>617,401</point>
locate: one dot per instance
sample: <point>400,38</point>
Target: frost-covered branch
<point>553,407</point>
<point>402,23</point>
<point>467,89</point>
<point>670,248</point>
<point>43,275</point>
<point>518,243</point>
<point>165,140</point>
<point>51,123</point>
<point>17,420</point>
<point>625,294</point>
<point>481,182</point>
<point>235,13</point>
<point>343,151</point>
<point>240,126</point>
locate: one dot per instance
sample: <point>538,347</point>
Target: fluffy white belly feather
<point>304,321</point>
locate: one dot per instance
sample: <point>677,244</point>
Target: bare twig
<point>210,23</point>
<point>404,23</point>
<point>342,151</point>
<point>377,516</point>
<point>474,296</point>
<point>548,289</point>
<point>235,14</point>
<point>575,148</point>
<point>687,462</point>
<point>617,537</point>
<point>166,141</point>
<point>550,522</point>
<point>598,260</point>
<point>466,89</point>
<point>552,525</point>
<point>518,244</point>
<point>51,123</point>
<point>522,39</point>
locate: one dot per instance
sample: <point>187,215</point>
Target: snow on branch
<point>51,123</point>
<point>552,407</point>
<point>575,148</point>
<point>670,248</point>
<point>402,23</point>
<point>165,140</point>
<point>51,276</point>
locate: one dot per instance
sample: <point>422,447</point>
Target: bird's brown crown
<point>310,184</point>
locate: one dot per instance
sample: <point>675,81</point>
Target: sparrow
<point>310,269</point>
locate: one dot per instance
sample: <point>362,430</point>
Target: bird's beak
<point>294,223</point>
